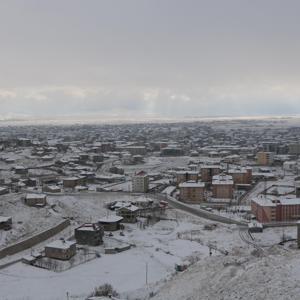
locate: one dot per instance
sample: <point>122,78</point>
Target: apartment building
<point>265,158</point>
<point>269,209</point>
<point>222,186</point>
<point>241,175</point>
<point>192,192</point>
<point>140,182</point>
<point>184,176</point>
<point>208,171</point>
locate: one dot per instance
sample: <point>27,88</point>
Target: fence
<point>34,240</point>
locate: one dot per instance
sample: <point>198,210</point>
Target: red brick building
<point>271,209</point>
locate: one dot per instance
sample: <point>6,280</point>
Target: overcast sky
<point>164,58</point>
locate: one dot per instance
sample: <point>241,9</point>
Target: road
<point>196,211</point>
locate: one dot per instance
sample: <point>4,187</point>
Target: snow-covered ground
<point>242,276</point>
<point>27,221</point>
<point>159,247</point>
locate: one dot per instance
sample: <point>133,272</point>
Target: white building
<point>140,182</point>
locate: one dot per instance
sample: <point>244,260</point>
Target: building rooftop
<point>110,219</point>
<point>61,244</point>
<point>35,196</point>
<point>192,184</point>
<point>222,179</point>
<point>273,201</point>
<point>4,219</point>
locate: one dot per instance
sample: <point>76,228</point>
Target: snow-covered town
<point>160,211</point>
<point>149,150</point>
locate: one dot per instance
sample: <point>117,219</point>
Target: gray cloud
<point>166,58</point>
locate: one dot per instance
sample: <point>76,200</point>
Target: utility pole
<point>146,273</point>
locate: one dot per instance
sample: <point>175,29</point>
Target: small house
<point>4,190</point>
<point>111,223</point>
<point>70,182</point>
<point>38,200</point>
<point>5,223</point>
<point>129,213</point>
<point>89,234</point>
<point>61,249</point>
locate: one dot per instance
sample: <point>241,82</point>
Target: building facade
<point>140,182</point>
<point>269,209</point>
<point>192,192</point>
<point>222,186</point>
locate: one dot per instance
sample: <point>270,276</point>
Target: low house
<point>20,170</point>
<point>111,223</point>
<point>5,223</point>
<point>70,182</point>
<point>51,189</point>
<point>129,213</point>
<point>61,249</point>
<point>32,182</point>
<point>89,234</point>
<point>38,200</point>
<point>4,190</point>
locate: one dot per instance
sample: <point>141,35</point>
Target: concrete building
<point>183,176</point>
<point>140,182</point>
<point>70,182</point>
<point>222,186</point>
<point>269,209</point>
<point>5,223</point>
<point>290,166</point>
<point>294,149</point>
<point>89,234</point>
<point>61,249</point>
<point>192,192</point>
<point>265,158</point>
<point>38,200</point>
<point>298,234</point>
<point>111,223</point>
<point>4,190</point>
<point>241,175</point>
<point>171,151</point>
<point>136,150</point>
<point>297,189</point>
<point>20,170</point>
<point>51,189</point>
<point>208,171</point>
<point>128,213</point>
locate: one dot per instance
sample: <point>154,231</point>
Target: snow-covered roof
<point>131,208</point>
<point>274,201</point>
<point>89,227</point>
<point>290,201</point>
<point>169,190</point>
<point>210,167</point>
<point>263,200</point>
<point>35,196</point>
<point>70,178</point>
<point>4,219</point>
<point>187,172</point>
<point>110,219</point>
<point>222,179</point>
<point>237,171</point>
<point>61,244</point>
<point>192,184</point>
